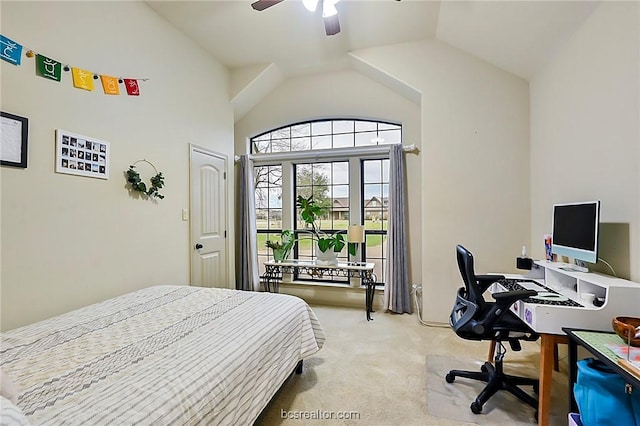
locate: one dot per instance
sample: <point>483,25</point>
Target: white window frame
<point>353,155</point>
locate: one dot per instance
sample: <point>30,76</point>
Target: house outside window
<point>337,162</point>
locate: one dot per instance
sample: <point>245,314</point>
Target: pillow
<point>10,414</point>
<point>7,388</point>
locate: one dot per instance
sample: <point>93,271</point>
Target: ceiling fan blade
<point>263,4</point>
<point>331,25</point>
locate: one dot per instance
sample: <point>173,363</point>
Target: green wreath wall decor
<point>156,182</point>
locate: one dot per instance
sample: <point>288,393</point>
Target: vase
<point>328,257</point>
<point>280,255</point>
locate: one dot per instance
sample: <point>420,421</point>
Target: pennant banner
<point>10,50</point>
<point>82,79</point>
<point>110,85</point>
<point>132,87</point>
<point>48,68</point>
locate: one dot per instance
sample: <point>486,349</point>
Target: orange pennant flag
<point>82,79</point>
<point>110,85</point>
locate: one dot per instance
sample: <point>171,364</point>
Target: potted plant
<point>329,245</point>
<point>282,248</point>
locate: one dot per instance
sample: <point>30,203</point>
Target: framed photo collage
<point>81,155</point>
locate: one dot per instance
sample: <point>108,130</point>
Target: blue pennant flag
<point>10,51</point>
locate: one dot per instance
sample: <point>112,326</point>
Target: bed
<point>160,355</point>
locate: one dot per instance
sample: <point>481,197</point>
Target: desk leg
<point>547,349</point>
<point>546,370</point>
<point>573,374</point>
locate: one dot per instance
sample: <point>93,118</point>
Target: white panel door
<point>208,219</point>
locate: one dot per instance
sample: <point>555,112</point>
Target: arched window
<point>336,160</point>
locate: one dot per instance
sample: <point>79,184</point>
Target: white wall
<point>585,125</point>
<point>68,241</point>
<point>342,94</point>
<point>471,179</point>
<point>475,162</point>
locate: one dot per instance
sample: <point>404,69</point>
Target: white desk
<point>621,297</point>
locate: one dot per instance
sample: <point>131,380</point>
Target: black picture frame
<point>13,140</point>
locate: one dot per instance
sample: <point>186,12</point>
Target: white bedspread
<point>161,355</point>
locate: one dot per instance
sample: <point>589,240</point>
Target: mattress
<point>161,355</point>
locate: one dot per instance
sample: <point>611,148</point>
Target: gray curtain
<point>396,287</point>
<point>248,278</point>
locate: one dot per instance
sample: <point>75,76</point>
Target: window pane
<point>281,145</point>
<point>365,139</point>
<point>340,197</point>
<point>385,170</point>
<point>321,128</point>
<point>364,126</point>
<point>301,144</point>
<point>261,197</point>
<point>303,174</point>
<point>340,174</point>
<point>261,219</point>
<point>275,198</point>
<point>372,196</point>
<point>304,246</point>
<point>268,197</point>
<point>375,252</point>
<point>372,171</point>
<point>343,141</point>
<point>321,142</point>
<point>261,146</point>
<point>343,126</point>
<point>386,126</point>
<point>301,130</point>
<point>283,133</point>
<point>390,136</point>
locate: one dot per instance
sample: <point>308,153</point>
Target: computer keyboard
<point>545,297</point>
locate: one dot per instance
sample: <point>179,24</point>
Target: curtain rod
<point>328,153</point>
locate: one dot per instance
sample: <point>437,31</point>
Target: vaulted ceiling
<point>287,40</point>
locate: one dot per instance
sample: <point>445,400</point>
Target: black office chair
<point>473,318</point>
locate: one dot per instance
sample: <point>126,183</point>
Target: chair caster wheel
<point>484,368</point>
<point>449,378</point>
<point>476,408</point>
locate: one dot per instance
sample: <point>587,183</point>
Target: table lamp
<point>355,236</point>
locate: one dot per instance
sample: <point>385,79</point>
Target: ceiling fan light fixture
<point>329,8</point>
<point>311,5</point>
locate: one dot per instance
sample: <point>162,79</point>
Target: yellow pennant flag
<point>82,79</point>
<point>110,85</point>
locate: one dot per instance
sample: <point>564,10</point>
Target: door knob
<point>198,246</point>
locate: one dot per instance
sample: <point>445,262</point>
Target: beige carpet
<point>376,373</point>
<point>452,400</point>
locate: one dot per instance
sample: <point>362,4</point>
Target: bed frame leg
<point>299,367</point>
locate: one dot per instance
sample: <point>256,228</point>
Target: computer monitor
<point>575,230</point>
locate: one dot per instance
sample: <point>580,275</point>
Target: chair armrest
<point>506,298</point>
<point>503,302</point>
<point>484,281</point>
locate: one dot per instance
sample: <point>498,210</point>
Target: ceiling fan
<point>329,12</point>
